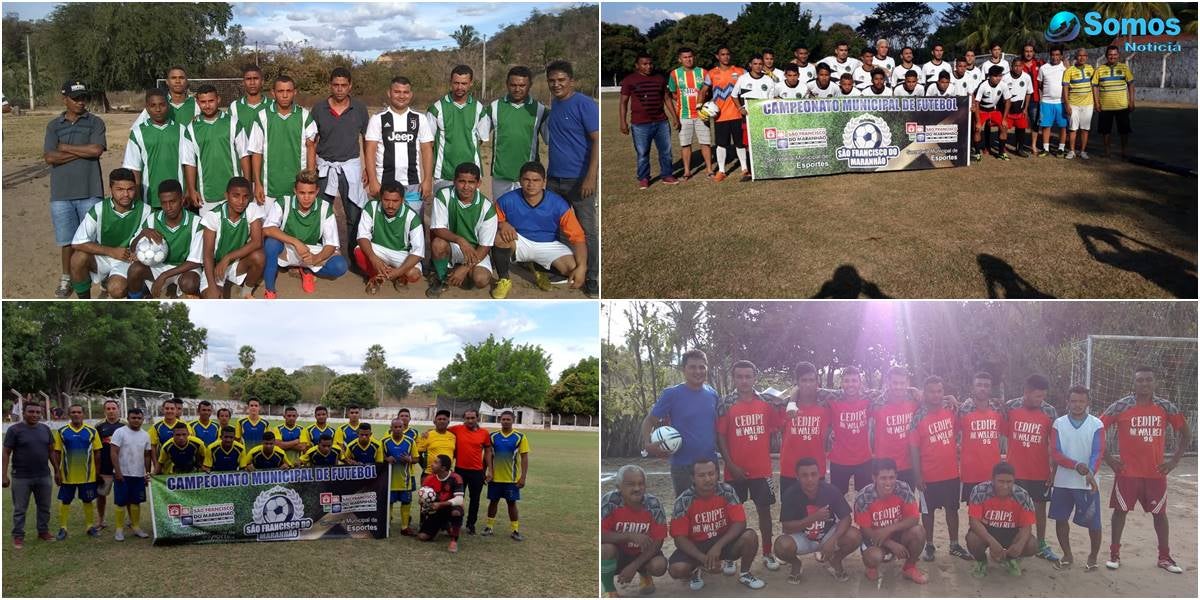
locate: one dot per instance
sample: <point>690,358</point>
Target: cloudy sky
<point>644,14</point>
<point>421,336</point>
<point>362,29</point>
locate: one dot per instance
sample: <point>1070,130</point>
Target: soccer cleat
<point>62,534</point>
<point>697,582</point>
<point>487,532</point>
<point>979,570</point>
<point>45,536</point>
<point>408,532</point>
<point>470,530</point>
<point>1083,155</point>
<point>453,547</point>
<point>517,537</point>
<point>669,180</point>
<point>591,289</point>
<point>915,574</point>
<point>270,295</point>
<point>645,585</point>
<point>1070,155</point>
<point>308,281</point>
<point>500,292</point>
<point>1045,552</point>
<point>927,555</point>
<point>63,290</point>
<point>1113,562</point>
<point>1014,567</point>
<point>436,287</point>
<point>119,535</point>
<point>976,156</point>
<point>643,184</point>
<point>747,177</point>
<point>770,562</point>
<point>1042,153</point>
<point>749,580</point>
<point>18,542</point>
<point>541,279</point>
<point>1023,153</point>
<point>93,531</point>
<point>1167,564</point>
<point>718,177</point>
<point>728,567</point>
<point>140,533</point>
<point>1002,156</point>
<point>959,551</point>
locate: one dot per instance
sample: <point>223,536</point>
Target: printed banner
<point>799,138</point>
<point>267,506</point>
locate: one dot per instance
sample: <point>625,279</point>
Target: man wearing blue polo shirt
<point>691,408</point>
<point>573,132</point>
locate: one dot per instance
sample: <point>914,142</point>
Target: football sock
<point>1046,146</point>
<point>1114,549</point>
<point>64,513</point>
<point>1164,550</point>
<point>89,515</point>
<point>405,513</point>
<point>491,522</point>
<point>120,519</point>
<point>515,525</point>
<point>135,295</point>
<point>721,158</point>
<point>741,154</point>
<point>608,569</point>
<point>500,260</point>
<point>83,289</point>
<point>135,515</point>
<point>440,266</point>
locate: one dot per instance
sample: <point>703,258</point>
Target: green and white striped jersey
<point>475,222</point>
<point>455,134</point>
<point>185,241</point>
<point>317,225</point>
<point>231,235</point>
<point>215,148</point>
<point>181,113</point>
<point>154,151</point>
<point>402,232</point>
<point>105,226</point>
<point>280,139</point>
<point>247,114</point>
<point>514,130</point>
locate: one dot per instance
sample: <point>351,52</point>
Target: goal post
<point>150,401</point>
<point>1104,364</point>
<point>229,88</point>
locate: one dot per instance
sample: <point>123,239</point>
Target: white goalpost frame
<point>124,396</point>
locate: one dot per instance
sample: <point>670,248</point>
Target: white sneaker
<point>1083,155</point>
<point>752,582</point>
<point>119,536</point>
<point>697,582</point>
<point>140,533</point>
<point>1113,563</point>
<point>770,562</point>
<point>1071,155</point>
<point>728,567</point>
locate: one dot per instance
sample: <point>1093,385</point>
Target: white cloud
<point>838,12</point>
<point>654,15</point>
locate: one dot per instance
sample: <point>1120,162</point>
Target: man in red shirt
<point>472,457</point>
<point>981,425</point>
<point>708,525</point>
<point>891,414</point>
<point>1030,418</point>
<point>850,448</point>
<point>886,513</point>
<point>933,442</point>
<point>744,430</point>
<point>1000,513</point>
<point>1141,421</point>
<point>805,428</point>
<point>1032,64</point>
<point>633,526</point>
<point>644,99</point>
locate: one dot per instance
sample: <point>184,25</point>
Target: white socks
<point>721,158</point>
<point>741,152</point>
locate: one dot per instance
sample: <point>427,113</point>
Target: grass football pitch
<point>557,558</point>
<point>1025,228</point>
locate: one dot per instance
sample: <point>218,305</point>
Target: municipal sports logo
<point>867,142</point>
<point>278,514</point>
<point>1063,27</point>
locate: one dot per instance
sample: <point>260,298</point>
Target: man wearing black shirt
<point>815,518</point>
<point>106,428</point>
<point>27,447</point>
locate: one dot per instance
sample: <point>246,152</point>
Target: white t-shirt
<point>862,79</point>
<point>1016,88</point>
<point>852,92</point>
<point>900,92</point>
<point>807,73</point>
<point>929,71</point>
<point>987,65</point>
<point>840,67</point>
<point>932,90</point>
<point>398,138</point>
<point>887,63</point>
<point>815,91</point>
<point>989,97</point>
<point>963,87</point>
<point>870,91</point>
<point>973,74</point>
<point>783,91</point>
<point>133,446</point>
<point>276,212</point>
<point>897,76</point>
<point>1050,81</point>
<point>750,87</point>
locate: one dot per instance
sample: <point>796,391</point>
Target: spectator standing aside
<point>27,448</point>
<point>643,98</point>
<point>692,409</point>
<point>574,136</point>
<point>341,125</point>
<point>1113,82</point>
<point>74,142</point>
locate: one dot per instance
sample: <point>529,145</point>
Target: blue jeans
<point>333,268</point>
<point>67,215</point>
<point>643,135</point>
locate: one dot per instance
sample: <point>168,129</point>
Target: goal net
<point>150,401</point>
<point>228,88</point>
<point>1105,363</point>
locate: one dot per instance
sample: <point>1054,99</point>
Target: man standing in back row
<point>574,134</point>
<point>455,119</point>
<point>514,123</point>
<point>341,124</point>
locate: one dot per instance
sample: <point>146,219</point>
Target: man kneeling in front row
<point>1001,515</point>
<point>445,512</point>
<point>709,529</point>
<point>815,518</point>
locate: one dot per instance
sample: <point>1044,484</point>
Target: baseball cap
<point>74,88</point>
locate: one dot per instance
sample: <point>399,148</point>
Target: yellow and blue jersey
<point>219,459</point>
<point>346,433</point>
<point>432,443</point>
<point>312,434</point>
<point>403,478</point>
<point>277,459</point>
<point>250,433</point>
<point>506,455</point>
<point>161,432</point>
<point>283,433</point>
<point>1079,81</point>
<point>77,448</point>
<point>371,453</point>
<point>206,433</point>
<point>313,457</point>
<point>187,459</point>
<point>1112,85</point>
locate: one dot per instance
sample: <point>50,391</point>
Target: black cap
<point>75,88</point>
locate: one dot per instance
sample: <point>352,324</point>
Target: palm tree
<point>1134,10</point>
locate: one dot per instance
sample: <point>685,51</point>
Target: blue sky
<point>363,29</point>
<point>644,14</point>
<point>421,336</point>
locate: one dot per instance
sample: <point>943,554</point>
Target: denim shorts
<point>67,215</point>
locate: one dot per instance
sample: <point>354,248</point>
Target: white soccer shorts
<point>107,266</point>
<point>392,258</point>
<point>457,258</point>
<point>1081,117</point>
<point>542,253</point>
<point>157,272</point>
<point>290,258</point>
<point>694,127</point>
<point>230,275</point>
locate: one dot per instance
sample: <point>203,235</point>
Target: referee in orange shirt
<point>472,460</point>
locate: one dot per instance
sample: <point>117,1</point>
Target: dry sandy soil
<point>31,259</point>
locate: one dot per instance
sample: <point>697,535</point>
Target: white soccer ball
<point>708,110</point>
<point>668,438</point>
<point>427,495</point>
<point>150,253</point>
<point>867,135</point>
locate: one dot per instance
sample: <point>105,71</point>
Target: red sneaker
<point>407,531</point>
<point>915,574</point>
<point>270,295</point>
<point>1167,564</point>
<point>18,542</point>
<point>46,536</point>
<point>308,281</point>
<point>453,547</point>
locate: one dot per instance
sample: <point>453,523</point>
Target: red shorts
<point>745,134</point>
<point>1128,491</point>
<point>991,117</point>
<point>1019,120</point>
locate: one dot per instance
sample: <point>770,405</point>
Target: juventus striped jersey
<point>398,150</point>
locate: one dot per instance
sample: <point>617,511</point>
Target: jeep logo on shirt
<point>397,136</point>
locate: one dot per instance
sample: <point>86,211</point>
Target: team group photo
<point>795,449</point>
<point>457,450</point>
<point>221,158</point>
<point>1070,123</point>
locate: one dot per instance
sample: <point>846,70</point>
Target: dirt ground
<point>950,577</point>
<point>1024,228</point>
<point>31,258</point>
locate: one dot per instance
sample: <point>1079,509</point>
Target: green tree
<point>397,382</point>
<point>497,372</point>
<point>312,381</point>
<point>271,387</point>
<point>246,356</point>
<point>577,390</point>
<point>779,26</point>
<point>904,23</point>
<point>702,33</point>
<point>660,28</point>
<point>465,36</point>
<point>619,47</point>
<point>375,366</point>
<point>180,342</point>
<point>353,389</point>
